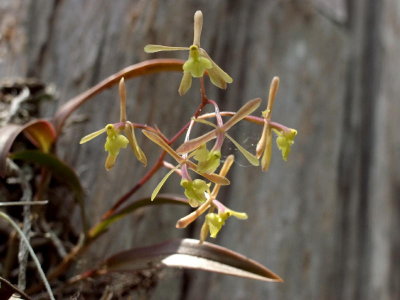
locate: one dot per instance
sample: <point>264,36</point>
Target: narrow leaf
<point>250,157</point>
<point>146,67</point>
<point>58,168</point>
<point>188,254</point>
<point>161,199</point>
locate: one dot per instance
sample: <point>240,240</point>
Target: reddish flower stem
<point>81,248</point>
<point>159,162</point>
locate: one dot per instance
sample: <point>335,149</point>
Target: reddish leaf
<point>40,132</point>
<point>189,254</point>
<point>139,69</point>
<point>161,200</point>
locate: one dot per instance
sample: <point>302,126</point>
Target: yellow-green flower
<point>198,62</point>
<point>208,161</point>
<point>285,140</point>
<point>195,191</point>
<point>214,221</point>
<point>115,140</point>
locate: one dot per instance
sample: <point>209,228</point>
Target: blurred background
<point>328,220</point>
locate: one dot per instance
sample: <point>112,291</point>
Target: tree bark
<point>327,220</point>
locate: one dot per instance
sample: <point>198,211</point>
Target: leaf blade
<point>161,199</point>
<point>189,254</point>
<point>9,133</point>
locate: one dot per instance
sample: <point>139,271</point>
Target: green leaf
<point>188,254</point>
<point>59,169</point>
<point>161,199</point>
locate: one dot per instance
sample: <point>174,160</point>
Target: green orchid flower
<point>157,139</point>
<point>214,221</point>
<point>115,140</point>
<point>208,161</point>
<point>195,191</point>
<point>285,140</point>
<point>285,136</point>
<point>198,62</point>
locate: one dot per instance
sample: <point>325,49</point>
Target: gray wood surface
<point>327,220</point>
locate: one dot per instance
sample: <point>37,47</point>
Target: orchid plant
<point>198,190</point>
<point>199,161</point>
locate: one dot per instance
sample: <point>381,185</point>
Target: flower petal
<point>159,141</point>
<point>196,142</point>
<point>217,70</point>
<point>157,48</point>
<point>114,143</point>
<point>198,25</point>
<point>250,157</point>
<point>261,143</point>
<point>130,134</point>
<point>216,79</point>
<point>162,182</point>
<point>236,214</point>
<point>266,158</point>
<point>218,179</point>
<point>91,136</point>
<point>110,161</point>
<point>242,113</point>
<point>186,83</point>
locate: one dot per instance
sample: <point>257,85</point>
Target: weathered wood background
<point>327,221</point>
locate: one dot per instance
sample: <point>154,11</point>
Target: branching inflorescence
<point>193,154</point>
